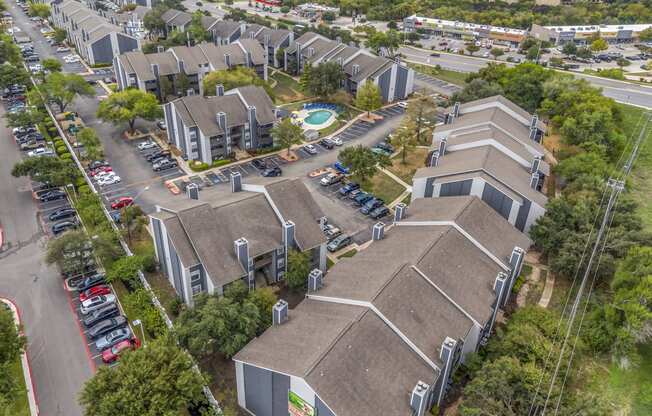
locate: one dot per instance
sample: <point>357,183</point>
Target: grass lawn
<point>454,77</point>
<point>382,186</point>
<point>641,178</point>
<point>19,405</point>
<point>349,253</point>
<point>415,159</point>
<point>286,89</point>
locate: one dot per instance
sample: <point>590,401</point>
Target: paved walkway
<point>547,290</point>
<point>532,259</point>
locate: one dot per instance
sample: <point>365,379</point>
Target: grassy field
<point>383,187</point>
<point>349,253</point>
<point>20,405</point>
<point>454,77</point>
<point>641,178</point>
<point>286,88</point>
<point>415,159</point>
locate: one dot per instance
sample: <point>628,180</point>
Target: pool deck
<point>301,115</point>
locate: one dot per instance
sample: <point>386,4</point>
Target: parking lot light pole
<point>138,322</point>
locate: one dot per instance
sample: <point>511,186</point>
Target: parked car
<point>106,325</point>
<point>385,146</point>
<point>52,195</point>
<point>122,202</point>
<point>331,179</point>
<point>362,198</point>
<point>158,154</point>
<point>310,149</point>
<point>62,226</point>
<point>147,144</point>
<point>259,164</point>
<point>272,172</point>
<point>98,315</point>
<point>103,173</point>
<point>63,49</point>
<point>370,205</point>
<point>338,141</point>
<point>354,193</point>
<point>112,338</point>
<point>29,145</point>
<point>19,131</point>
<point>97,164</point>
<point>331,232</point>
<point>62,213</point>
<point>161,125</point>
<point>380,151</point>
<point>338,166</point>
<point>94,291</point>
<point>327,143</point>
<point>41,151</point>
<point>339,243</point>
<point>164,164</point>
<point>96,302</point>
<point>90,281</point>
<point>346,189</point>
<point>109,180</point>
<point>112,354</point>
<point>101,170</point>
<point>379,212</point>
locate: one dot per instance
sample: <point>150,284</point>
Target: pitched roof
<point>499,100</point>
<point>501,119</point>
<point>175,17</point>
<point>368,65</point>
<point>488,160</point>
<point>225,28</point>
<point>522,146</point>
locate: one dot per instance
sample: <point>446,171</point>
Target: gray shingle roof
<point>225,28</point>
<point>493,115</point>
<point>524,147</point>
<point>499,99</point>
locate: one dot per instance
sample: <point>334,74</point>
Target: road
<point>625,92</point>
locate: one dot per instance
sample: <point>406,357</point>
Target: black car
<point>362,198</point>
<point>98,164</point>
<point>379,212</point>
<point>151,157</point>
<point>62,226</point>
<point>371,205</point>
<point>24,130</point>
<point>106,312</point>
<point>271,172</point>
<point>346,189</point>
<point>62,213</point>
<point>164,164</point>
<point>339,243</point>
<point>259,164</point>
<point>52,195</point>
<point>385,146</point>
<point>107,325</point>
<point>90,281</point>
<point>327,143</point>
<point>30,145</point>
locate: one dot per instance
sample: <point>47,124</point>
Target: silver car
<point>112,338</point>
<point>96,302</point>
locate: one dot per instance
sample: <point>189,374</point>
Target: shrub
<point>52,131</point>
<point>139,305</point>
<point>518,283</point>
<point>285,9</point>
<point>198,166</point>
<point>66,156</point>
<point>221,162</point>
<point>84,189</point>
<point>80,182</point>
<point>61,149</point>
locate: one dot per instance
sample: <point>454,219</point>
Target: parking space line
<point>81,333</point>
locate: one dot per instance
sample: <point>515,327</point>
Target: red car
<point>112,354</point>
<point>94,291</point>
<point>101,169</point>
<point>122,202</point>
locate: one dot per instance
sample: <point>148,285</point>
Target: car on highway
<point>310,149</point>
<point>112,338</point>
<point>109,180</point>
<point>94,291</point>
<point>112,354</point>
<point>147,144</point>
<point>164,164</point>
<point>330,179</point>
<point>96,302</point>
<point>100,170</point>
<point>122,202</point>
<point>348,188</point>
<point>379,212</point>
<point>338,141</point>
<point>370,205</point>
<point>62,214</point>
<point>41,151</point>
<point>272,172</point>
<point>90,281</point>
<point>62,226</point>
<point>108,311</point>
<point>52,195</point>
<point>339,243</point>
<point>107,325</point>
<point>259,164</point>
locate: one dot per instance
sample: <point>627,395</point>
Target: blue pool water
<point>317,117</point>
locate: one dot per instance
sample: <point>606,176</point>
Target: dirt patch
<point>221,371</point>
<point>552,143</point>
<point>292,157</point>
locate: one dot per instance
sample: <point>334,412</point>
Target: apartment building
<point>489,148</point>
<point>272,41</point>
<point>214,128</point>
<point>205,243</point>
<point>383,334</point>
<point>181,69</point>
<point>395,80</point>
<point>96,39</point>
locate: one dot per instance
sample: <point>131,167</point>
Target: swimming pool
<point>318,117</point>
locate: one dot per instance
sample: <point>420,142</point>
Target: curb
<point>1,238</point>
<point>27,369</point>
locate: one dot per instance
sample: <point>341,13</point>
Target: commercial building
<point>582,34</point>
<point>395,80</point>
<point>489,148</point>
<point>464,30</point>
<point>214,128</point>
<point>95,38</point>
<point>383,332</point>
<point>205,243</point>
<point>181,69</point>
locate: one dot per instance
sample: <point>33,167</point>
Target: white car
<point>149,144</point>
<point>338,141</point>
<point>63,49</point>
<point>403,104</point>
<point>41,151</point>
<point>104,174</point>
<point>71,60</point>
<point>96,302</point>
<point>310,149</point>
<point>109,180</point>
<point>36,68</point>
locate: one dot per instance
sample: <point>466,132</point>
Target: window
<point>195,282</point>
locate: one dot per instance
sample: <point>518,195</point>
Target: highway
<point>621,91</point>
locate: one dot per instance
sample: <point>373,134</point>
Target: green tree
<point>390,40</point>
<point>599,45</point>
<point>72,251</point>
<point>264,299</point>
<point>61,89</point>
<point>622,62</point>
<point>477,89</point>
<point>25,118</point>
<point>60,35</point>
<point>298,270</point>
<point>421,119</point>
<point>569,48</point>
<point>158,379</point>
<point>153,21</point>
<point>12,74</point>
<point>9,51</point>
<point>128,105</point>
<point>322,80</point>
<point>496,52</point>
<point>584,52</point>
<point>88,138</point>
<point>51,170</point>
<point>471,48</point>
<point>51,64</point>
<point>404,140</point>
<point>41,10</point>
<point>12,343</point>
<point>362,161</point>
<point>233,78</point>
<point>196,28</point>
<point>645,35</point>
<point>286,134</point>
<point>125,269</point>
<point>368,97</point>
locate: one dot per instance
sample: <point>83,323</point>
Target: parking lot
<point>436,85</point>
